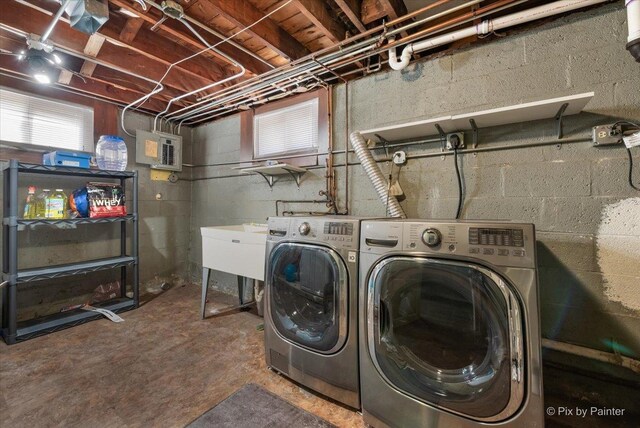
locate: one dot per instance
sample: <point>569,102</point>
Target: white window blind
<point>286,130</point>
<point>26,119</point>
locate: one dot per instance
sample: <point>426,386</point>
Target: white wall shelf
<point>555,108</point>
<point>270,172</point>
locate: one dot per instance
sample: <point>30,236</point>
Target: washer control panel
<point>339,232</point>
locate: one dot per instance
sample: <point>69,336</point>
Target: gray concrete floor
<point>165,367</point>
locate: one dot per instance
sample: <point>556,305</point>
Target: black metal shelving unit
<point>14,331</point>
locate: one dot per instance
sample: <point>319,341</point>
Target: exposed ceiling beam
<point>33,21</point>
<point>91,86</point>
<point>130,30</point>
<point>243,14</point>
<point>201,70</point>
<point>372,10</point>
<point>316,11</point>
<point>352,9</point>
<point>178,31</point>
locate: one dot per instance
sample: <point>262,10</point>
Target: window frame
<point>87,146</point>
<point>248,146</point>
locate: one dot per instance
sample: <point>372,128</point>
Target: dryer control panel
<point>499,243</point>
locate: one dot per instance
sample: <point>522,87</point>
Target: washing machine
<point>449,324</point>
<point>311,296</point>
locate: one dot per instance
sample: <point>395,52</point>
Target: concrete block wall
<point>163,240</point>
<point>585,213</point>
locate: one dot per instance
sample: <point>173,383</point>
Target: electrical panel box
<point>159,150</point>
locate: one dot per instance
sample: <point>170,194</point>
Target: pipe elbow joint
<point>404,60</point>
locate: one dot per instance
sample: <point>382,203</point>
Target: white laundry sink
<point>237,249</point>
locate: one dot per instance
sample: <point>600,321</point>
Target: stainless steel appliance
<point>449,324</point>
<point>311,301</point>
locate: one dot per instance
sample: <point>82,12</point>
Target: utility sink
<point>238,249</point>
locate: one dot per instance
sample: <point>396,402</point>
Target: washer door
<point>447,334</point>
<point>307,289</point>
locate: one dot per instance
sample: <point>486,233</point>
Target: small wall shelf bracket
<point>443,137</point>
<point>474,130</point>
<point>559,117</point>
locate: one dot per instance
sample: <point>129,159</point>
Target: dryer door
<point>448,334</point>
<point>307,293</point>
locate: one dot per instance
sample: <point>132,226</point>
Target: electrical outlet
<point>399,158</point>
<point>605,135</point>
<point>455,140</point>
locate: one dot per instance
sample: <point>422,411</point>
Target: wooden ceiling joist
<point>373,10</point>
<point>130,30</point>
<point>160,49</point>
<point>316,11</point>
<point>352,9</point>
<point>177,31</point>
<point>91,86</point>
<point>33,21</point>
<point>243,14</point>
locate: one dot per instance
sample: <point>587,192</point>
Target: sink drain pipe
<point>375,175</point>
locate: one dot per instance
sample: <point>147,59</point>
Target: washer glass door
<point>448,334</point>
<point>307,289</point>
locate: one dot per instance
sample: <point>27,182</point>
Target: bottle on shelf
<point>30,204</point>
<point>57,205</point>
<point>111,153</point>
<point>41,204</point>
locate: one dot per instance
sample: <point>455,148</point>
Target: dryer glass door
<point>307,291</point>
<point>448,334</point>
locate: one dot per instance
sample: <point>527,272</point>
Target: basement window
<point>292,126</point>
<point>27,120</point>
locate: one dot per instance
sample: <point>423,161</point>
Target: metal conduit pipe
<point>158,88</point>
<point>339,46</point>
<point>215,33</point>
<point>309,68</point>
<point>204,88</point>
<point>55,20</point>
<point>487,27</point>
<point>375,175</point>
<point>302,65</point>
<point>370,47</point>
<point>212,47</point>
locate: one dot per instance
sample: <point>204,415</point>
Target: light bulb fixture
<point>42,78</point>
<point>40,65</point>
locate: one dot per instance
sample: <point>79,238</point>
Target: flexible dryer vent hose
<point>375,175</point>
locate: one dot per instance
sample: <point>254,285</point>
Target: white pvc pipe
<point>633,19</point>
<point>489,26</point>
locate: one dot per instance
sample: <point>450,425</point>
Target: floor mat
<point>254,407</point>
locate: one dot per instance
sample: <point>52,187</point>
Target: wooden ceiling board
<point>178,30</point>
<point>243,14</point>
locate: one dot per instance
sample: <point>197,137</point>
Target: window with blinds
<point>292,129</point>
<point>26,119</point>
